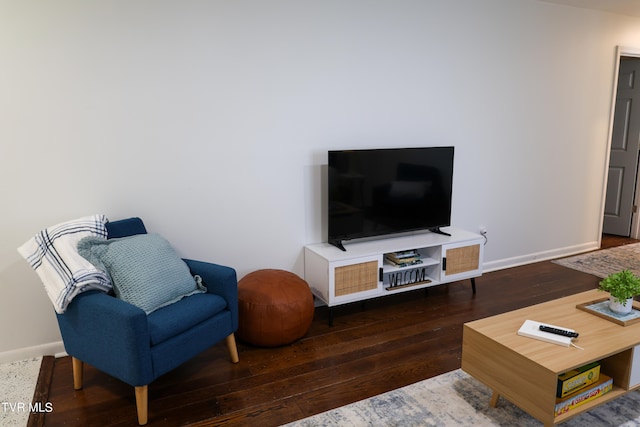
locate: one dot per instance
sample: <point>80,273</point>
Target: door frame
<point>635,219</point>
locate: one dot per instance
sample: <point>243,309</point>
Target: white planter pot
<point>621,308</point>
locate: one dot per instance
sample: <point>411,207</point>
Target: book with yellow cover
<point>577,379</point>
<point>580,397</point>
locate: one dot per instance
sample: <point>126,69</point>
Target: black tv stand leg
<point>437,230</point>
<point>473,285</point>
<point>338,244</point>
<point>330,316</point>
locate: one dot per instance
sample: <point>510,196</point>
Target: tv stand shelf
<point>363,271</point>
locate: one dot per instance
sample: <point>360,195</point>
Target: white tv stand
<point>361,272</point>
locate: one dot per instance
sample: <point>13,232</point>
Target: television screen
<point>387,191</point>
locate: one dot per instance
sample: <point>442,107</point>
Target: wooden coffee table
<point>525,371</point>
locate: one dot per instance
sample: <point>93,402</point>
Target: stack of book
<point>404,258</point>
<point>577,379</point>
<point>580,386</point>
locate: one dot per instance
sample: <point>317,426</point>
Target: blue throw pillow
<point>144,269</point>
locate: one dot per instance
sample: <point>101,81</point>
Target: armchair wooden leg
<point>233,349</point>
<point>77,366</point>
<point>142,403</point>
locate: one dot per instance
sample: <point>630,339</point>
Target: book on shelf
<point>405,254</point>
<point>405,262</point>
<point>404,258</point>
<point>580,397</point>
<point>531,329</point>
<point>577,379</point>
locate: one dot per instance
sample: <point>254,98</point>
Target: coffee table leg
<point>494,399</point>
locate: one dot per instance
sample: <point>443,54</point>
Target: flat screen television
<point>379,192</point>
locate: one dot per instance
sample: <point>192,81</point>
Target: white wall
<point>211,120</point>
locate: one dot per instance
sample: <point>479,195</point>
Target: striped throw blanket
<point>53,254</point>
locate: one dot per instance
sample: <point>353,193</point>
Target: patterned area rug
<point>458,400</point>
<point>606,261</point>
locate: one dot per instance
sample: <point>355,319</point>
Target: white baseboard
<point>53,348</point>
<point>539,256</point>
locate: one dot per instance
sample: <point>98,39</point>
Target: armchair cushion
<point>183,315</point>
<point>144,269</point>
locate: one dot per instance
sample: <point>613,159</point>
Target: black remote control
<point>557,331</point>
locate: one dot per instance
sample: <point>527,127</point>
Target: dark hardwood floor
<point>372,348</point>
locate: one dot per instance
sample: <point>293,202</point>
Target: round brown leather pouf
<point>275,308</point>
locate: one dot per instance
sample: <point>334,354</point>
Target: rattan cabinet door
<point>461,261</point>
<point>356,279</point>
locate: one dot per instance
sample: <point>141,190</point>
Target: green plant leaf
<point>621,285</point>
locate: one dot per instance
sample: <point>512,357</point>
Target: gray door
<point>625,140</point>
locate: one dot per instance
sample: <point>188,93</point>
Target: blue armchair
<point>121,340</point>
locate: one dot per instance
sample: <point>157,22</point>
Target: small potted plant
<point>622,287</point>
